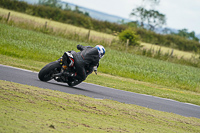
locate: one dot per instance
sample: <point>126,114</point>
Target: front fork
<point>64,67</point>
<point>60,76</point>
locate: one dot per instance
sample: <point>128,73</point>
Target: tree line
<point>182,40</point>
<point>152,19</point>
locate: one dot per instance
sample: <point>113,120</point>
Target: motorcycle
<point>59,69</point>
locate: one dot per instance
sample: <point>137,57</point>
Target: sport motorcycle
<point>58,70</point>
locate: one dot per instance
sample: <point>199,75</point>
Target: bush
<point>131,35</point>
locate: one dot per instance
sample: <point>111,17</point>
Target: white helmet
<point>101,50</point>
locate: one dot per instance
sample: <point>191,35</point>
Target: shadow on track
<point>65,85</point>
<point>80,89</point>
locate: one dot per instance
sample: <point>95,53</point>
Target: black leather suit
<point>85,60</point>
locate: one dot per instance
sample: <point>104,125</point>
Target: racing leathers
<point>85,62</point>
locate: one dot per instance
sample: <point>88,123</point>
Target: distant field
<point>178,53</point>
<point>41,22</point>
<point>93,34</point>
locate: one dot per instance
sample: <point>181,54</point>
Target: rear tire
<point>46,72</point>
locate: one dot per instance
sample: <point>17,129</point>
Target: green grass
<point>29,46</point>
<point>31,109</point>
<point>151,70</point>
<point>37,46</point>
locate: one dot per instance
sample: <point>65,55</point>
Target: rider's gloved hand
<point>95,69</point>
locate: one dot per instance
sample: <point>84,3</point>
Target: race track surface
<point>95,91</point>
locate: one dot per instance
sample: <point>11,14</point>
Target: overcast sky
<point>180,14</point>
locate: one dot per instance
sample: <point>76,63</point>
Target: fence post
<point>45,25</point>
<point>172,53</point>
<point>8,17</point>
<point>127,43</point>
<point>89,35</point>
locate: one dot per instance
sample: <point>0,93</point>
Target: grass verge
<point>31,109</point>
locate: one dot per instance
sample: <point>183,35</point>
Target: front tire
<point>46,72</point>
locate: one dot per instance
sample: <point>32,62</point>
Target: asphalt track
<point>95,91</point>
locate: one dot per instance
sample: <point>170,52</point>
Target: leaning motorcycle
<point>58,70</point>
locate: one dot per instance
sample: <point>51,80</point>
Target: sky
<point>179,14</point>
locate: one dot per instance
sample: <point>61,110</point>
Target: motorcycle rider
<point>86,61</point>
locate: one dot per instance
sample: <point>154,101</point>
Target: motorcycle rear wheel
<point>47,71</point>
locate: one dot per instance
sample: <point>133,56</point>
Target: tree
<point>166,31</point>
<point>155,19</point>
<point>193,36</point>
<point>141,14</point>
<point>87,14</point>
<point>51,3</point>
<point>77,10</point>
<point>188,35</point>
<point>67,7</point>
<point>152,18</point>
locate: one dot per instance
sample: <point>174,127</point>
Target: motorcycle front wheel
<point>47,71</point>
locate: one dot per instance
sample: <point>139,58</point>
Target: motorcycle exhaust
<point>57,75</point>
